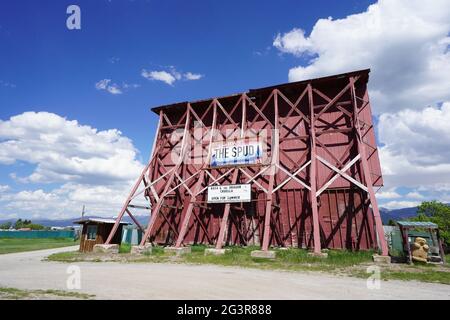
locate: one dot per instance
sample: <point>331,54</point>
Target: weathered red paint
<point>321,146</point>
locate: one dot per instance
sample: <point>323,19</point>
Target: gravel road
<point>112,280</point>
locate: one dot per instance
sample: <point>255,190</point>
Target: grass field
<point>338,262</point>
<point>8,245</point>
<point>291,259</point>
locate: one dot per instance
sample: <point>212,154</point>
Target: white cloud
<point>63,150</point>
<point>293,42</point>
<point>89,167</point>
<point>417,147</point>
<point>114,88</point>
<point>263,52</point>
<point>388,194</point>
<point>159,75</point>
<point>7,84</point>
<point>406,45</point>
<point>192,76</point>
<point>404,42</point>
<point>400,204</point>
<point>105,85</point>
<point>130,85</point>
<point>66,201</point>
<point>439,187</point>
<point>175,73</point>
<point>414,195</point>
<point>102,84</point>
<point>170,76</point>
<point>113,60</point>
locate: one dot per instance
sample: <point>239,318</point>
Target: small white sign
<point>229,193</point>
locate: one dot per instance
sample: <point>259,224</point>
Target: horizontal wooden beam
<point>138,207</point>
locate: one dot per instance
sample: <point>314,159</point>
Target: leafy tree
<point>27,224</point>
<point>18,224</point>
<point>436,212</point>
<point>35,226</point>
<point>392,222</point>
<point>6,225</point>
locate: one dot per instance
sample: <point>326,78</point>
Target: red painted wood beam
<point>312,175</point>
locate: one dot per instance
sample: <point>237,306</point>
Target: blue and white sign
<point>242,152</point>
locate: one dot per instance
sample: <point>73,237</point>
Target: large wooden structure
<point>314,189</point>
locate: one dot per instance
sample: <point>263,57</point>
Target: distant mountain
<point>397,214</point>
<point>386,215</point>
<point>69,222</point>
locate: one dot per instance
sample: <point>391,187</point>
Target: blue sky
<point>55,69</point>
<point>46,67</point>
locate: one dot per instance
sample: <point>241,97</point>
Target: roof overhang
<point>99,220</point>
<point>417,224</point>
<point>364,74</point>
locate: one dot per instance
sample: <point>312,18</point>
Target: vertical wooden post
<point>404,232</point>
<point>159,203</point>
<point>273,167</point>
<point>441,249</point>
<point>366,173</point>
<point>226,211</point>
<point>188,209</point>
<point>312,174</point>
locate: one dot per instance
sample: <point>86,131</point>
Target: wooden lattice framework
<point>315,190</point>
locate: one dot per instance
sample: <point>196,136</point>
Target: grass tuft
<point>125,248</point>
<point>424,276</point>
<point>15,294</point>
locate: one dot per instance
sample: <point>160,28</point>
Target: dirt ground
<point>113,280</point>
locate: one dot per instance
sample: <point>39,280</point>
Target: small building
<point>429,232</point>
<point>132,235</point>
<point>96,230</point>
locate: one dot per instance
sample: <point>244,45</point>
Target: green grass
<point>424,273</point>
<point>14,294</point>
<point>338,261</point>
<point>425,276</point>
<point>71,256</point>
<point>290,259</point>
<point>437,273</point>
<point>125,248</point>
<point>10,245</point>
